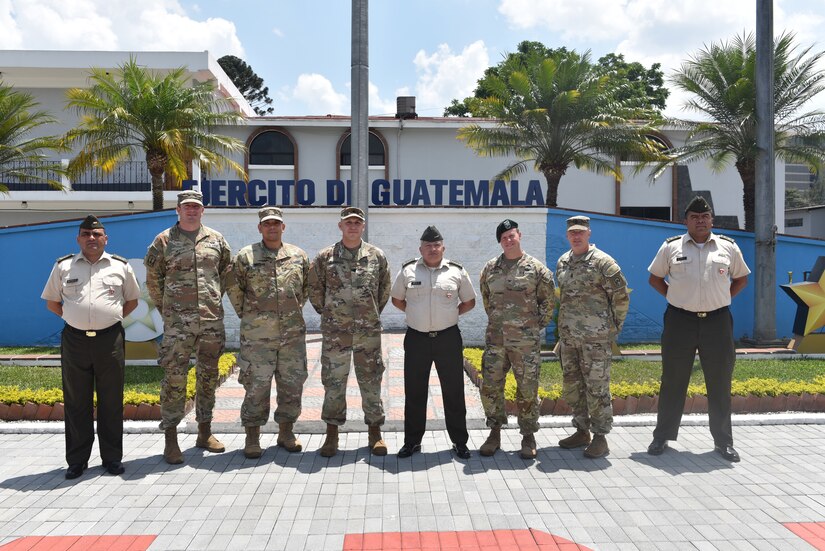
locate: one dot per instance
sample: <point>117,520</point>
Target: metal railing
<point>126,176</point>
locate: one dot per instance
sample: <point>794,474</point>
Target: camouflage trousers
<point>338,352</point>
<point>585,367</point>
<point>288,366</point>
<point>206,339</point>
<point>525,362</point>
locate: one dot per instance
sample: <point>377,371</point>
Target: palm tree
<point>721,78</point>
<point>556,111</point>
<point>163,117</point>
<point>22,158</point>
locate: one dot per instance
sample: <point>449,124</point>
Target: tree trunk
<point>553,176</point>
<point>747,171</point>
<point>156,163</point>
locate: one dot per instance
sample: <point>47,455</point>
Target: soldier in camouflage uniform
<point>267,285</point>
<point>518,294</point>
<point>349,285</point>
<point>593,305</point>
<point>186,267</point>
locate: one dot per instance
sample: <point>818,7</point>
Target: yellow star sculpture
<point>810,299</point>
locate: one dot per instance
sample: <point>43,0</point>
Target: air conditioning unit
<point>405,107</point>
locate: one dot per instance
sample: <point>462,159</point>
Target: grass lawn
<point>639,371</point>
<point>17,350</point>
<point>145,379</point>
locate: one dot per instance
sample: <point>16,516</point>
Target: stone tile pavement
<point>689,498</point>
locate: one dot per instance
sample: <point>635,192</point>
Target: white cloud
<point>378,105</point>
<point>277,32</point>
<point>113,25</point>
<point>318,94</point>
<point>444,75</point>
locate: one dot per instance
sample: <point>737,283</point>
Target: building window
<point>656,213</point>
<point>794,223</point>
<point>272,148</point>
<point>377,154</point>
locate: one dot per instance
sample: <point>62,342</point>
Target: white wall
<point>469,238</point>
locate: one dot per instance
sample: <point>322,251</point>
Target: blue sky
<point>434,50</point>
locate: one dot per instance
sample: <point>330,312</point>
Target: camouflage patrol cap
<point>350,212</point>
<point>91,223</point>
<point>698,204</point>
<point>270,213</point>
<point>431,235</point>
<point>190,196</point>
<point>505,225</point>
<point>578,223</point>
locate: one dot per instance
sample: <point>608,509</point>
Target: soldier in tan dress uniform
<point>92,291</point>
<point>186,268</point>
<point>698,273</point>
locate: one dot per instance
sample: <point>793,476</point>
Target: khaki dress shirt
<point>92,294</point>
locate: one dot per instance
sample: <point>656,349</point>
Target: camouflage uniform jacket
<point>593,296</point>
<point>268,290</point>
<point>185,279</point>
<point>349,290</point>
<point>518,299</point>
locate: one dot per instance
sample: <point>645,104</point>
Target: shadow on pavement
<point>676,462</point>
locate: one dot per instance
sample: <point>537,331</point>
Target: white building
<point>304,160</point>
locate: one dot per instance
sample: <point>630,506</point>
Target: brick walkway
<point>226,417</point>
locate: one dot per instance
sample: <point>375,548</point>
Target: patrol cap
<point>91,223</point>
<point>698,204</point>
<point>350,212</point>
<point>431,235</point>
<point>270,213</point>
<point>505,225</point>
<point>576,223</point>
<point>190,196</point>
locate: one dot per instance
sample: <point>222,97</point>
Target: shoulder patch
<point>120,258</point>
<point>726,238</point>
<point>456,264</point>
<point>408,262</point>
<point>672,239</point>
<point>66,257</point>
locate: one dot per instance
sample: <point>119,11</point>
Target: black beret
<point>91,223</point>
<point>698,204</point>
<point>506,225</point>
<point>431,234</point>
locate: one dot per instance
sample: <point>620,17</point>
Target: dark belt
<point>700,315</point>
<point>432,334</point>
<point>92,333</point>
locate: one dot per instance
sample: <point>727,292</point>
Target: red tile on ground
<point>448,540</point>
<point>410,540</point>
<point>373,541</point>
<point>504,537</point>
<point>486,538</point>
<point>467,539</point>
<point>542,538</point>
<point>22,544</point>
<point>812,532</point>
<point>429,540</point>
<point>391,540</point>
<point>524,539</point>
<point>141,543</point>
<point>353,542</point>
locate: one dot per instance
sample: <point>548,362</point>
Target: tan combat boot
<point>528,447</point>
<point>376,443</point>
<point>597,448</point>
<point>252,448</point>
<point>171,450</point>
<point>206,440</point>
<point>330,446</point>
<point>287,439</point>
<point>577,440</point>
<point>492,443</point>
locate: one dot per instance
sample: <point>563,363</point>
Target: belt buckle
<point>432,334</point>
<point>701,314</point>
<point>91,333</point>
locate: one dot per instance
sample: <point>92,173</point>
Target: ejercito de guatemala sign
<point>406,193</point>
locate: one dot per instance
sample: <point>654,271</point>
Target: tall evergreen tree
<point>248,83</point>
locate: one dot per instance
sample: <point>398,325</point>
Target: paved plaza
<point>688,498</point>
